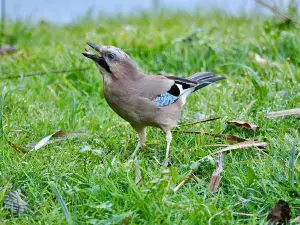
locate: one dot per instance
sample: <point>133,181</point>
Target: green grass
<point>101,187</point>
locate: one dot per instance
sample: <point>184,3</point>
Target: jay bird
<point>144,100</point>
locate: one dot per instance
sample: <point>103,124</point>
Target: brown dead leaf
<point>17,148</point>
<point>228,137</point>
<point>7,49</point>
<point>215,177</point>
<point>280,213</point>
<point>243,145</point>
<point>58,135</point>
<point>284,113</point>
<point>138,174</point>
<point>244,124</point>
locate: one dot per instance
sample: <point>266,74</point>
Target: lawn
<point>92,173</point>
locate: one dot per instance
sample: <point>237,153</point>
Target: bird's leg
<point>141,131</point>
<point>168,139</point>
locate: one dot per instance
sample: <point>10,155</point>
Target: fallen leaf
<point>244,124</point>
<point>280,213</point>
<point>7,49</point>
<point>243,145</point>
<point>138,174</point>
<point>283,113</point>
<point>17,148</point>
<point>228,137</point>
<point>215,177</point>
<point>58,135</point>
<point>14,203</point>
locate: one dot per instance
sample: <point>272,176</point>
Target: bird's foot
<point>167,163</point>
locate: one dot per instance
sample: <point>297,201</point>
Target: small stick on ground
<point>242,214</point>
<point>201,121</point>
<point>17,148</point>
<point>184,181</point>
<point>215,145</point>
<point>243,145</point>
<point>288,112</point>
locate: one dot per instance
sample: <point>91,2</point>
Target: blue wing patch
<point>165,99</point>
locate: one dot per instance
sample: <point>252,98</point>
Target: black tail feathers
<point>204,79</point>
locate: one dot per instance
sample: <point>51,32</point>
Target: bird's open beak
<point>96,58</point>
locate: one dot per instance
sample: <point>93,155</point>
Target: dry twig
<point>288,112</point>
<point>243,145</point>
<point>184,181</point>
<point>276,11</point>
<point>201,121</point>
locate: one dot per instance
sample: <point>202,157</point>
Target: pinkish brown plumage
<point>144,100</point>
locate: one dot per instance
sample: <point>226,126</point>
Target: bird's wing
<point>165,90</point>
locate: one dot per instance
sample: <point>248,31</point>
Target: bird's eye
<point>111,55</point>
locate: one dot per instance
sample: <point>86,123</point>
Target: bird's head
<point>112,61</point>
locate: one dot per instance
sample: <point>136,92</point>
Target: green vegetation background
<point>98,185</point>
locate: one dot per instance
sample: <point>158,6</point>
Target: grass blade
<point>1,110</point>
<point>3,15</point>
<point>291,164</point>
<point>61,202</point>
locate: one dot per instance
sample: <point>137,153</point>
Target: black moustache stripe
<point>101,61</point>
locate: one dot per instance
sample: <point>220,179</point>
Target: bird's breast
<point>123,101</point>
